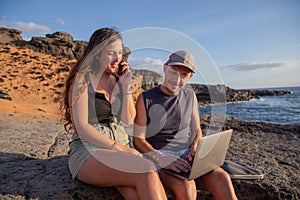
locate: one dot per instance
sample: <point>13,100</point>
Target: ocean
<point>272,109</point>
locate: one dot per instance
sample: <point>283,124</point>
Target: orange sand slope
<point>34,80</point>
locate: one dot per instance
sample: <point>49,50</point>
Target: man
<point>167,130</point>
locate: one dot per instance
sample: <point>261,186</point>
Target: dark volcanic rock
<point>4,95</point>
<point>211,94</point>
<point>47,179</point>
<point>9,35</point>
<point>260,92</point>
<point>58,44</point>
<point>150,78</point>
<point>36,166</point>
<point>271,148</point>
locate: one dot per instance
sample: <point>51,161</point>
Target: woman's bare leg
<point>123,169</point>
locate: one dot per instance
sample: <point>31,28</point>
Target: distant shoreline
<point>278,109</point>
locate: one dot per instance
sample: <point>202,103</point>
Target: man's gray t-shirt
<point>169,118</point>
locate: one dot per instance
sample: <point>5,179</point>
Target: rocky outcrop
<point>33,161</point>
<point>9,35</point>
<point>4,95</point>
<point>207,94</point>
<point>261,92</point>
<point>233,95</point>
<point>270,148</point>
<point>59,44</point>
<point>150,79</point>
<point>210,94</point>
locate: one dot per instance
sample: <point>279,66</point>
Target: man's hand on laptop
<point>174,163</point>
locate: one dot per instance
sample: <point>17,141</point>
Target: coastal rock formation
<point>9,35</point>
<point>211,94</point>
<point>261,92</point>
<point>150,78</point>
<point>59,44</point>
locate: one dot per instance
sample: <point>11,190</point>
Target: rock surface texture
<point>34,163</point>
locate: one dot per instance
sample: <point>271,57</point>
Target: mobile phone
<point>120,69</point>
<point>126,52</point>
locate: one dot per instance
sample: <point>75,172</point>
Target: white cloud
<point>60,21</point>
<point>153,64</point>
<point>250,66</point>
<point>32,28</point>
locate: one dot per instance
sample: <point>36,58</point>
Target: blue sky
<point>243,44</point>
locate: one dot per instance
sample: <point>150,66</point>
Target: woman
<point>96,99</point>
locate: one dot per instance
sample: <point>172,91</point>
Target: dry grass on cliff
<point>33,80</point>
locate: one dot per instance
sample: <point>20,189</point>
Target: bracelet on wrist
<point>155,155</point>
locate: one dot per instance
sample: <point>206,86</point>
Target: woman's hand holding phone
<point>124,73</point>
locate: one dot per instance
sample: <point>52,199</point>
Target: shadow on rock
<point>31,178</point>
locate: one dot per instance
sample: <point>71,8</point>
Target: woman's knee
<point>152,176</point>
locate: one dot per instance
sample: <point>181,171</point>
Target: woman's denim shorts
<point>80,149</point>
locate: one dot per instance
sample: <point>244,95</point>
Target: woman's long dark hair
<point>83,67</point>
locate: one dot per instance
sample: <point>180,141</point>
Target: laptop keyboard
<point>184,174</point>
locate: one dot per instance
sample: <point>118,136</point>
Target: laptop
<point>210,154</point>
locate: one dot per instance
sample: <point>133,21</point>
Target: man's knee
<point>128,192</point>
<point>221,175</point>
<point>184,188</point>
